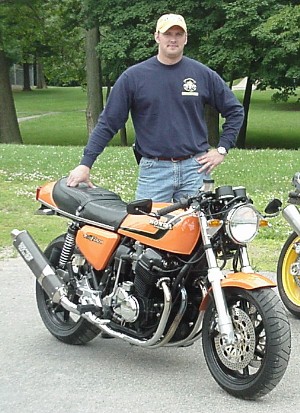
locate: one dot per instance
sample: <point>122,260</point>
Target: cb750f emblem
<point>161,225</point>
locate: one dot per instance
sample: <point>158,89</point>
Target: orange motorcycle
<point>159,275</point>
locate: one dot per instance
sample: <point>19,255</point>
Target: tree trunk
<point>40,78</point>
<point>123,136</point>
<point>212,123</point>
<point>108,88</point>
<point>94,78</point>
<point>241,140</point>
<point>9,127</point>
<point>26,78</point>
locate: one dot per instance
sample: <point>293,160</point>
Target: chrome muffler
<point>42,270</point>
<point>292,215</point>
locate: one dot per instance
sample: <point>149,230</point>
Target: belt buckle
<point>175,160</point>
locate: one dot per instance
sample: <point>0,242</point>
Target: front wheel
<point>288,274</point>
<point>255,363</point>
<point>65,326</point>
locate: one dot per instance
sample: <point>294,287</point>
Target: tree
<point>61,46</point>
<point>9,127</point>
<point>229,45</point>
<point>94,78</point>
<point>280,66</point>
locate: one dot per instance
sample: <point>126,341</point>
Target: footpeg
<point>87,308</point>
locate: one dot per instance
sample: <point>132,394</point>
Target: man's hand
<point>210,160</point>
<point>80,174</point>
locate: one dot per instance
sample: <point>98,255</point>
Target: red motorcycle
<point>154,275</point>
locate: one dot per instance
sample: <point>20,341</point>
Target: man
<point>166,95</point>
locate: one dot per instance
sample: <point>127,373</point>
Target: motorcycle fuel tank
<point>173,233</point>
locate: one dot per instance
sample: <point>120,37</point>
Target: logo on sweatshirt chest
<point>189,87</point>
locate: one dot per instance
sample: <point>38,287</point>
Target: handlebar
<point>182,204</point>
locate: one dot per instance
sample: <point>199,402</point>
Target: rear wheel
<point>288,274</point>
<point>256,362</point>
<point>65,326</point>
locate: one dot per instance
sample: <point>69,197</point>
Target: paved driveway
<point>40,374</point>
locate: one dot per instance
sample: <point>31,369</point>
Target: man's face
<point>172,42</point>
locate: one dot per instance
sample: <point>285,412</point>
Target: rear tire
<point>62,324</point>
<point>288,286</point>
<point>255,364</point>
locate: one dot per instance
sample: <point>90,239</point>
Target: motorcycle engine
<point>134,299</point>
<point>126,305</point>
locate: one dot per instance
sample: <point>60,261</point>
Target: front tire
<point>256,362</point>
<point>62,324</point>
<point>289,285</point>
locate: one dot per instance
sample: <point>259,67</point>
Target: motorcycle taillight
<point>37,193</point>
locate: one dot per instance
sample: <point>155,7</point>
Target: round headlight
<point>242,224</point>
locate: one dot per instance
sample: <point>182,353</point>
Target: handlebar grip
<point>183,203</point>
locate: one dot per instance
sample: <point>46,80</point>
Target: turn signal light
<point>213,223</point>
<point>263,223</point>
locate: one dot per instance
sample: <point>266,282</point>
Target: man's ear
<point>156,37</point>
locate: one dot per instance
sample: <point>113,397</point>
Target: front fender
<point>246,281</point>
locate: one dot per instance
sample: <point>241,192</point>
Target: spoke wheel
<point>255,363</point>
<point>65,326</point>
<point>288,283</point>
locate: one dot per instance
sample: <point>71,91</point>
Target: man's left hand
<point>210,160</point>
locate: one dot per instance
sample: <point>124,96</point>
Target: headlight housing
<point>242,224</point>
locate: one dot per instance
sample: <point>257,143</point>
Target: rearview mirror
<point>140,207</point>
<point>273,206</point>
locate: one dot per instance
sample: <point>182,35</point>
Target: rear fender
<point>245,281</point>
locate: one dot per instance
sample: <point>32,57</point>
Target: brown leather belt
<point>175,159</point>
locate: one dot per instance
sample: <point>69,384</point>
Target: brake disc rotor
<point>238,355</point>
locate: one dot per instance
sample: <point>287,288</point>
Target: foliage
<point>64,64</point>
<point>234,36</point>
<point>228,45</point>
<point>127,30</point>
<point>258,39</point>
<point>14,28</point>
<point>281,51</point>
<point>47,31</point>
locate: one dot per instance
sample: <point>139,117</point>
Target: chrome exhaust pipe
<point>151,342</point>
<point>41,268</point>
<point>292,215</point>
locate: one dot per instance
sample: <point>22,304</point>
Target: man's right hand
<point>80,174</point>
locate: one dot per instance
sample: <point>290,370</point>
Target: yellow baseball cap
<point>166,21</point>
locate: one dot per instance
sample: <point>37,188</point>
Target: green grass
<point>61,114</point>
<point>52,99</point>
<point>270,124</point>
<point>265,174</point>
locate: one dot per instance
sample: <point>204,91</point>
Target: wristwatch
<point>222,150</point>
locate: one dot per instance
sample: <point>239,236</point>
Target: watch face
<point>222,150</point>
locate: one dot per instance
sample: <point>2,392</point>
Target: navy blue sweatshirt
<point>166,103</point>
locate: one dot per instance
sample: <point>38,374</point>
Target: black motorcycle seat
<point>95,204</point>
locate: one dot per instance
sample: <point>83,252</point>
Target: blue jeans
<point>167,181</point>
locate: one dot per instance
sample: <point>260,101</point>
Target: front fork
<point>215,276</point>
